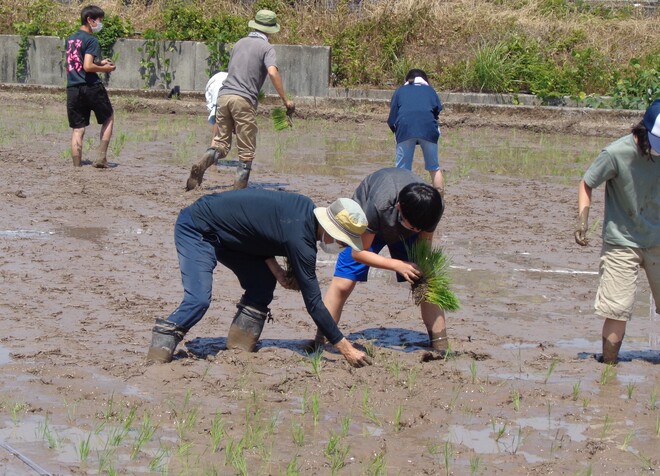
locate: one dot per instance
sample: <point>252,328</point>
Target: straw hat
<point>344,220</point>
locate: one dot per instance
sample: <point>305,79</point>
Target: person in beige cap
<point>252,59</point>
<point>245,230</point>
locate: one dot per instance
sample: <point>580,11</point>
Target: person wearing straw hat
<point>630,169</point>
<point>252,59</point>
<point>245,230</point>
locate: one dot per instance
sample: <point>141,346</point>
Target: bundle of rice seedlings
<point>433,286</point>
<point>281,120</point>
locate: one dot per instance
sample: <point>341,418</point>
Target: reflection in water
<point>92,233</point>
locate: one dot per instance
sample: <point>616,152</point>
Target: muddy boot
<point>164,339</point>
<point>438,340</point>
<point>242,175</point>
<point>209,158</point>
<point>102,161</point>
<point>610,352</point>
<point>247,326</point>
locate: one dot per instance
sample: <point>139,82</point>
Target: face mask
<point>330,248</point>
<point>98,27</point>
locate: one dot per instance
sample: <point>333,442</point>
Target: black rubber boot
<point>164,339</point>
<point>242,175</point>
<point>247,326</point>
<point>438,340</point>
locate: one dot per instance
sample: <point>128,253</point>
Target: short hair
<point>415,73</point>
<point>91,11</point>
<point>421,205</point>
<point>642,134</point>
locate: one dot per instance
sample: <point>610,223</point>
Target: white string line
<point>25,459</point>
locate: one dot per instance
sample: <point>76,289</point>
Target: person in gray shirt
<point>630,169</point>
<point>252,60</point>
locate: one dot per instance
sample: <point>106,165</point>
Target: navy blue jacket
<point>414,111</point>
<point>267,223</point>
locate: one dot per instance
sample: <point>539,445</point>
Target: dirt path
<point>88,262</point>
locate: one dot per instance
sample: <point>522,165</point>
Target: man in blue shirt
<point>244,230</point>
<point>414,111</point>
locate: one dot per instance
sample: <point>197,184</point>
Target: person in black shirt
<point>244,230</point>
<point>84,90</point>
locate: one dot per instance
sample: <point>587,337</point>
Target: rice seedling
<point>433,448</point>
<point>515,399</point>
<point>646,462</point>
<point>576,391</point>
<point>499,432</point>
<point>397,418</point>
<point>234,456</point>
<point>84,448</point>
<point>217,431</point>
<point>315,408</point>
<point>585,403</point>
<point>475,464</point>
<point>411,378</point>
<point>298,434</point>
<point>394,368</point>
<point>607,374</point>
<point>303,403</point>
<point>629,389</point>
<point>336,453</point>
<point>657,425</point>
<point>626,441</point>
<point>653,400</point>
<point>16,410</point>
<point>345,423</point>
<point>377,466</point>
<point>316,359</point>
<point>147,430</point>
<point>473,371</point>
<point>185,418</point>
<point>367,408</point>
<point>118,143</point>
<point>549,406</point>
<point>607,426</point>
<point>447,453</point>
<point>433,286</point>
<point>157,463</point>
<point>551,369</point>
<point>370,349</point>
<point>281,120</point>
<point>106,457</point>
<point>45,432</point>
<point>70,410</point>
<point>293,468</point>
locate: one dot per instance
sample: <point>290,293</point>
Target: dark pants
<point>198,255</point>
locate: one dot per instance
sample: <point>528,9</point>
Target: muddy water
<point>88,262</point>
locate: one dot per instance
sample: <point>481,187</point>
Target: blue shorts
<point>348,268</point>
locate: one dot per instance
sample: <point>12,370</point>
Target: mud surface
<point>88,262</point>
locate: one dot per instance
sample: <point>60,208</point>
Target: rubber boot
<point>438,340</point>
<point>102,160</point>
<point>209,158</point>
<point>247,326</point>
<point>242,175</point>
<point>610,352</point>
<point>315,345</point>
<point>164,338</point>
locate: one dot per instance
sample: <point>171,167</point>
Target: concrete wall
<point>305,69</point>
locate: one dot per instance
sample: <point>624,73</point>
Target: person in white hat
<point>252,60</point>
<point>244,230</point>
<point>630,169</point>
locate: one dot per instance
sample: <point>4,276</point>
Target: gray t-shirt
<point>248,67</point>
<point>378,195</point>
<point>632,194</point>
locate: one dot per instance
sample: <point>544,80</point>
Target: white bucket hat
<point>344,220</point>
